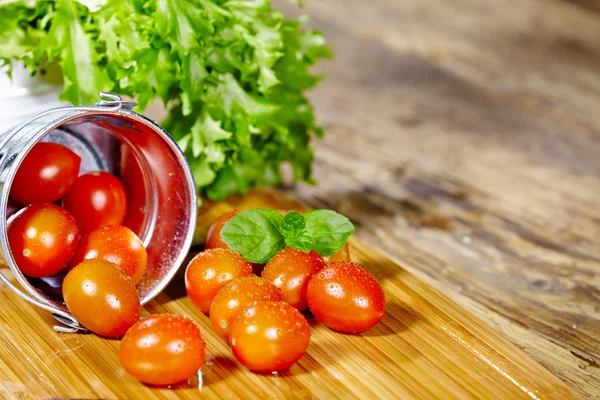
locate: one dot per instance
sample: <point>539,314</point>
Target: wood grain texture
<point>425,347</point>
<point>463,138</point>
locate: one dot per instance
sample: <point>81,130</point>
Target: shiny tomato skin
<point>209,271</point>
<point>342,255</point>
<point>117,244</point>
<point>346,298</point>
<point>235,297</point>
<point>101,297</point>
<point>269,336</point>
<point>290,270</point>
<point>96,199</point>
<point>46,174</point>
<point>42,238</point>
<point>214,239</point>
<point>162,349</point>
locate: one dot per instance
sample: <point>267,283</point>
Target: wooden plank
<point>426,347</point>
<point>463,138</point>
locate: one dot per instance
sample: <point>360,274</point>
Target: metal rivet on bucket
<point>161,193</point>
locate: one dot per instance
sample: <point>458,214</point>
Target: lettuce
<point>232,75</point>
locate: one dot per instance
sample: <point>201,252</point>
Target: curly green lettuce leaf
<point>231,74</point>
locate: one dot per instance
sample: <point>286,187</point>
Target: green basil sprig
<point>260,233</point>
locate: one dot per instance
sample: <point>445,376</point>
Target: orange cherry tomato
<point>96,199</point>
<point>237,295</point>
<point>346,298</point>
<point>269,336</point>
<point>214,239</point>
<point>342,255</point>
<point>209,271</point>
<point>46,174</point>
<point>162,349</point>
<point>42,238</point>
<point>290,270</point>
<point>117,244</point>
<point>101,297</point>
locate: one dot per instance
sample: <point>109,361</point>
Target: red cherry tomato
<point>237,295</point>
<point>101,297</point>
<point>290,270</point>
<point>117,244</point>
<point>209,271</point>
<point>214,239</point>
<point>162,349</point>
<point>342,255</point>
<point>269,336</point>
<point>346,298</point>
<point>42,238</point>
<point>96,199</point>
<point>45,175</point>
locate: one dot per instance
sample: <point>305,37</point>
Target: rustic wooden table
<point>463,138</point>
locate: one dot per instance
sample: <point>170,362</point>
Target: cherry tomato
<point>101,297</point>
<point>117,244</point>
<point>42,238</point>
<point>346,298</point>
<point>46,174</point>
<point>209,271</point>
<point>214,239</point>
<point>342,255</point>
<point>290,270</point>
<point>237,295</point>
<point>162,349</point>
<point>269,336</point>
<point>96,199</point>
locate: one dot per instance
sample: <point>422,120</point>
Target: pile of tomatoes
<point>70,227</point>
<point>261,317</point>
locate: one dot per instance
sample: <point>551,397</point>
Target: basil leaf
<point>292,225</point>
<point>326,230</point>
<point>254,234</point>
<point>300,244</point>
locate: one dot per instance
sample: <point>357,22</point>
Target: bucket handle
<point>114,103</point>
<point>69,324</point>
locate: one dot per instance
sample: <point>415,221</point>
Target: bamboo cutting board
<point>425,347</point>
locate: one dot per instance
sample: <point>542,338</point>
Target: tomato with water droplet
<point>209,271</point>
<point>346,298</point>
<point>269,336</point>
<point>42,238</point>
<point>237,295</point>
<point>117,244</point>
<point>101,297</point>
<point>290,270</point>
<point>162,349</point>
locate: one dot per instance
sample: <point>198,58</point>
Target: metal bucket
<point>109,136</point>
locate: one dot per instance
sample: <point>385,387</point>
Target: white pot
<point>25,95</point>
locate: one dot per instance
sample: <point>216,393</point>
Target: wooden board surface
<point>463,138</point>
<point>425,347</point>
